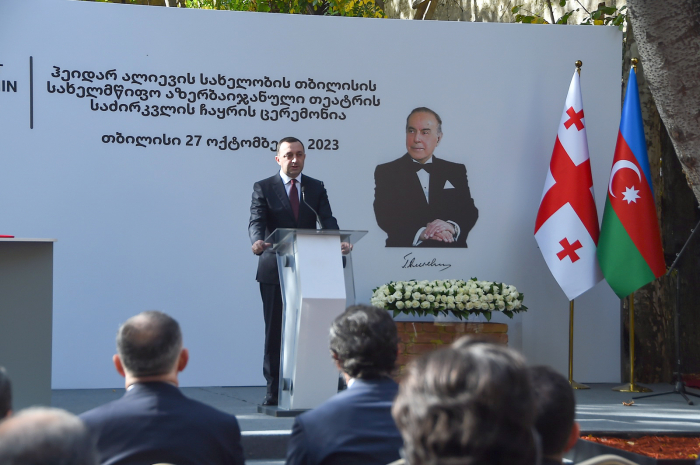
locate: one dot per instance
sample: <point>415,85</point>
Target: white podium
<point>317,285</point>
<point>26,318</point>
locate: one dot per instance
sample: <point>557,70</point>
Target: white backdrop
<point>165,227</point>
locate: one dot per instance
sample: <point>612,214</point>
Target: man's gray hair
<point>5,394</point>
<point>149,343</point>
<point>46,436</point>
<point>425,110</point>
<point>470,403</point>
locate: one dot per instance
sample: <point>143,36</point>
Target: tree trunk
<point>678,213</point>
<point>668,38</point>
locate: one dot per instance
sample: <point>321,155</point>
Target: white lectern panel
<point>315,291</point>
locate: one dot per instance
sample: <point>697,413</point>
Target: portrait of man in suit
<point>421,200</point>
<point>287,199</point>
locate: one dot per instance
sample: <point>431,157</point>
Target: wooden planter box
<point>417,338</point>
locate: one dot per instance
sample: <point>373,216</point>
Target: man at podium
<point>286,200</point>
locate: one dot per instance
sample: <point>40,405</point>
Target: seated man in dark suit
<point>355,426</point>
<point>5,394</point>
<point>555,407</point>
<point>154,422</point>
<point>421,200</point>
<point>46,436</point>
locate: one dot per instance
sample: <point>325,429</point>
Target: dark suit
<point>548,461</point>
<point>401,209</point>
<point>353,427</point>
<point>270,209</point>
<point>155,422</point>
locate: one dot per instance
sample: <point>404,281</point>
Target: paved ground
<point>599,410</point>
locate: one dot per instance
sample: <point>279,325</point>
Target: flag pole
<point>631,386</point>
<point>561,233</point>
<point>573,383</point>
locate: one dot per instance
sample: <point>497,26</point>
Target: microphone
<point>303,199</point>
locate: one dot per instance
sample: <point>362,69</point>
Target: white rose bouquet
<point>456,296</point>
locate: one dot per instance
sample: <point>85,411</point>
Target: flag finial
<point>578,64</point>
<point>634,63</point>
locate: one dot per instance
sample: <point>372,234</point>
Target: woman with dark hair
<point>467,404</point>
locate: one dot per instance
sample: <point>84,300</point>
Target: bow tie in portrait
<point>427,167</point>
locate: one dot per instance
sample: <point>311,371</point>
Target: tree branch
<point>551,11</point>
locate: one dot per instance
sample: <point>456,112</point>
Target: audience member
<point>555,408</point>
<point>5,394</point>
<point>45,436</point>
<point>154,422</point>
<point>470,403</point>
<point>355,426</point>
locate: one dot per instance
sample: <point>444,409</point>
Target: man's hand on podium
<point>259,246</point>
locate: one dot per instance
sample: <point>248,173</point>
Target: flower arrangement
<point>456,296</point>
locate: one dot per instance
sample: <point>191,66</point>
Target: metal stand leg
<point>573,383</point>
<point>631,386</point>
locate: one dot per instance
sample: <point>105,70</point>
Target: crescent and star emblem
<point>620,165</point>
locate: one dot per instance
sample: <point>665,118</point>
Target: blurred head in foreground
<point>470,403</point>
<point>555,407</point>
<point>364,342</point>
<point>5,394</point>
<point>45,436</point>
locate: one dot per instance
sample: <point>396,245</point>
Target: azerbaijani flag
<point>629,248</point>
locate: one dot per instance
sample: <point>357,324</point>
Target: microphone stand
<point>679,388</point>
<point>318,219</point>
<point>303,199</point>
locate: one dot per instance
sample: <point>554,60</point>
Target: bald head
<point>45,436</point>
<point>149,344</point>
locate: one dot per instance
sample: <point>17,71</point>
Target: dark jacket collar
<point>360,382</point>
<point>155,387</point>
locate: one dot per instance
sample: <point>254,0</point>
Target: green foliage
<point>604,15</point>
<point>237,5</point>
<point>360,8</point>
<point>565,17</point>
<point>607,16</point>
<point>530,18</point>
<point>133,2</point>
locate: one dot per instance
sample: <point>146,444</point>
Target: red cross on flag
<point>566,228</point>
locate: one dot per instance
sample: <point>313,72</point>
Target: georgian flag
<point>566,228</point>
